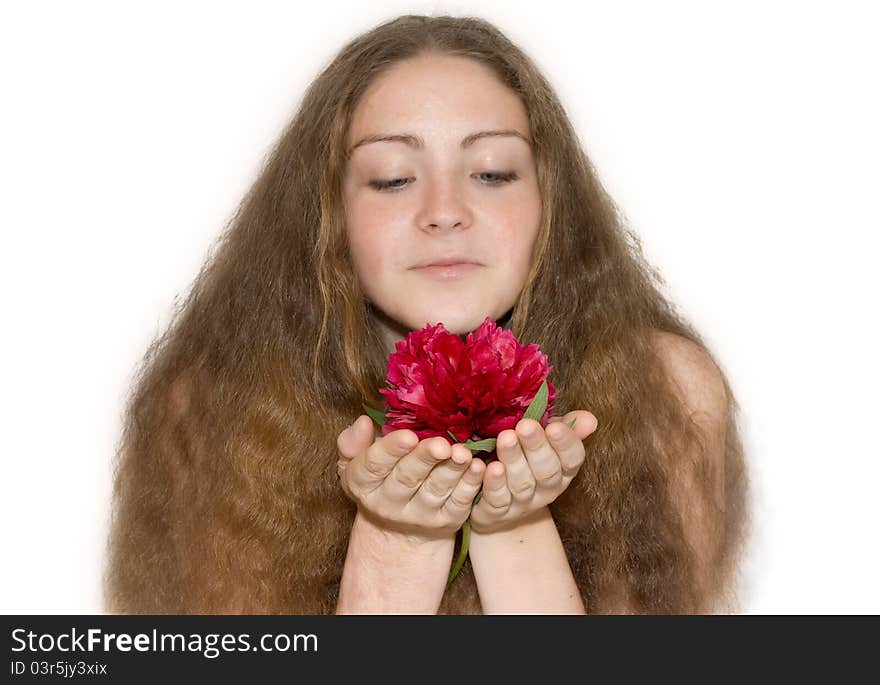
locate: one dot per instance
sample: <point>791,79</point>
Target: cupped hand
<point>535,465</point>
<point>423,489</point>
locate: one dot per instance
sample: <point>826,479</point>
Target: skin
<point>423,489</point>
<point>447,200</point>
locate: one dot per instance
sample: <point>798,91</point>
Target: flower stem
<point>462,553</point>
<point>465,543</point>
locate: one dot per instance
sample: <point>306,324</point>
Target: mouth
<point>452,260</point>
<point>446,272</point>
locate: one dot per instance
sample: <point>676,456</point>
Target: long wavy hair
<point>226,496</point>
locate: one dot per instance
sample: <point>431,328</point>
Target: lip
<point>446,261</point>
<point>447,272</point>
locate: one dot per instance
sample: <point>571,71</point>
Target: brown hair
<point>226,495</point>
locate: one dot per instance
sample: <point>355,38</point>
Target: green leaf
<point>570,424</point>
<point>452,435</point>
<point>375,414</point>
<point>486,445</point>
<point>539,404</point>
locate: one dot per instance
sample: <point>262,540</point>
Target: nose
<point>444,207</point>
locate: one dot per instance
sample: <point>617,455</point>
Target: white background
<point>741,141</point>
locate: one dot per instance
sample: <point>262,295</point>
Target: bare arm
<point>696,474</point>
<point>387,572</point>
<point>696,481</point>
<point>524,570</point>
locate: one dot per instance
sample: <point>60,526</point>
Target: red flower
<point>438,383</point>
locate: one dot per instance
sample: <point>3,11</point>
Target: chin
<point>458,322</point>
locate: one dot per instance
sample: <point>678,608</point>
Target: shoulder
<point>179,394</point>
<point>697,471</point>
<point>694,375</point>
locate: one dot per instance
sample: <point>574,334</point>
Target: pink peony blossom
<point>474,388</point>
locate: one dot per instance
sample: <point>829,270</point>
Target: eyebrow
<point>418,143</point>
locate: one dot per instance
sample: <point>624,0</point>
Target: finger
<point>542,458</point>
<point>407,475</point>
<point>590,425</point>
<point>568,446</point>
<point>349,444</point>
<point>381,457</point>
<point>440,483</point>
<point>496,494</point>
<point>461,499</point>
<point>351,441</point>
<point>520,480</point>
<point>585,423</point>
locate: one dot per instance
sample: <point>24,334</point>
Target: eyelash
<point>503,178</point>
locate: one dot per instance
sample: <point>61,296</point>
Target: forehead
<point>441,99</point>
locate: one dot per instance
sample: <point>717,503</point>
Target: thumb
<point>585,423</point>
<point>351,440</point>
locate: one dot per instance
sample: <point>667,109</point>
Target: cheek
<point>376,230</point>
<point>366,255</point>
<point>364,240</point>
<point>518,231</point>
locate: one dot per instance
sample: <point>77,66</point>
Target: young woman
<point>247,478</point>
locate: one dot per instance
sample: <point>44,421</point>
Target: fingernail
<point>508,440</point>
<point>555,432</point>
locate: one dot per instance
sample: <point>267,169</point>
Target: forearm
<point>388,573</point>
<point>524,570</point>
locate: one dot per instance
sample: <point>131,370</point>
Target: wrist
<point>382,533</point>
<point>536,517</point>
<point>524,569</point>
<point>389,572</point>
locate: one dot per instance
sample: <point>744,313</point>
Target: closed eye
<point>500,178</point>
<point>387,185</point>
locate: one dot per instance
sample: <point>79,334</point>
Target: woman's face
<point>448,196</point>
